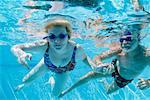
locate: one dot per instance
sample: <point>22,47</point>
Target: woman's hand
<point>143,84</point>
<point>105,68</point>
<point>97,60</point>
<point>22,59</point>
<point>19,87</point>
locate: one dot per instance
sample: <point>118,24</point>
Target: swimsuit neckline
<point>68,67</point>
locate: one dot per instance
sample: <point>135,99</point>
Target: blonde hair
<point>59,22</point>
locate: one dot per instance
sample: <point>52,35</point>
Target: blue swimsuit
<point>70,66</point>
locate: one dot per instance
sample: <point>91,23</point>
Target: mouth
<point>58,46</point>
<point>126,46</point>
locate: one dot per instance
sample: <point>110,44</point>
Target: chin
<point>129,49</point>
<point>58,48</point>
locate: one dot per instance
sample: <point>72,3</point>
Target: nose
<point>125,42</point>
<point>57,40</point>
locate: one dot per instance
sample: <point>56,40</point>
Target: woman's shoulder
<point>74,44</point>
<point>40,42</point>
<point>79,50</point>
<point>36,45</point>
<point>32,44</point>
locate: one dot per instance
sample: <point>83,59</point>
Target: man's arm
<point>148,52</point>
<point>107,54</point>
<point>143,84</point>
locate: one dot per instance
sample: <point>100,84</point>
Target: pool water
<point>14,31</point>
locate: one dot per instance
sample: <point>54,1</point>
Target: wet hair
<point>127,32</point>
<point>136,27</point>
<point>59,22</point>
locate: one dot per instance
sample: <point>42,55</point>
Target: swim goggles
<point>53,37</point>
<point>125,39</point>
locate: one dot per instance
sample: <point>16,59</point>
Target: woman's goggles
<point>53,37</point>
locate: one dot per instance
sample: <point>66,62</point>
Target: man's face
<point>128,42</point>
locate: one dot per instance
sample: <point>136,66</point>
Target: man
<point>132,59</point>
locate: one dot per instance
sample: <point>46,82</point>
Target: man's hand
<point>104,68</point>
<point>143,84</point>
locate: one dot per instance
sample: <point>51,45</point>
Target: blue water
<point>12,32</point>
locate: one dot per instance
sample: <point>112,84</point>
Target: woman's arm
<point>37,71</point>
<point>19,50</point>
<point>87,60</point>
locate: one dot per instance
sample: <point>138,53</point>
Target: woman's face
<point>58,37</point>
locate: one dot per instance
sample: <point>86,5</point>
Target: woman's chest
<point>61,60</point>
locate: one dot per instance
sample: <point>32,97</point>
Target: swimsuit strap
<point>47,60</point>
<point>47,48</point>
<point>114,62</point>
<point>74,54</point>
<point>70,66</point>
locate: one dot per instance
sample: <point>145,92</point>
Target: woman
<point>60,57</point>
